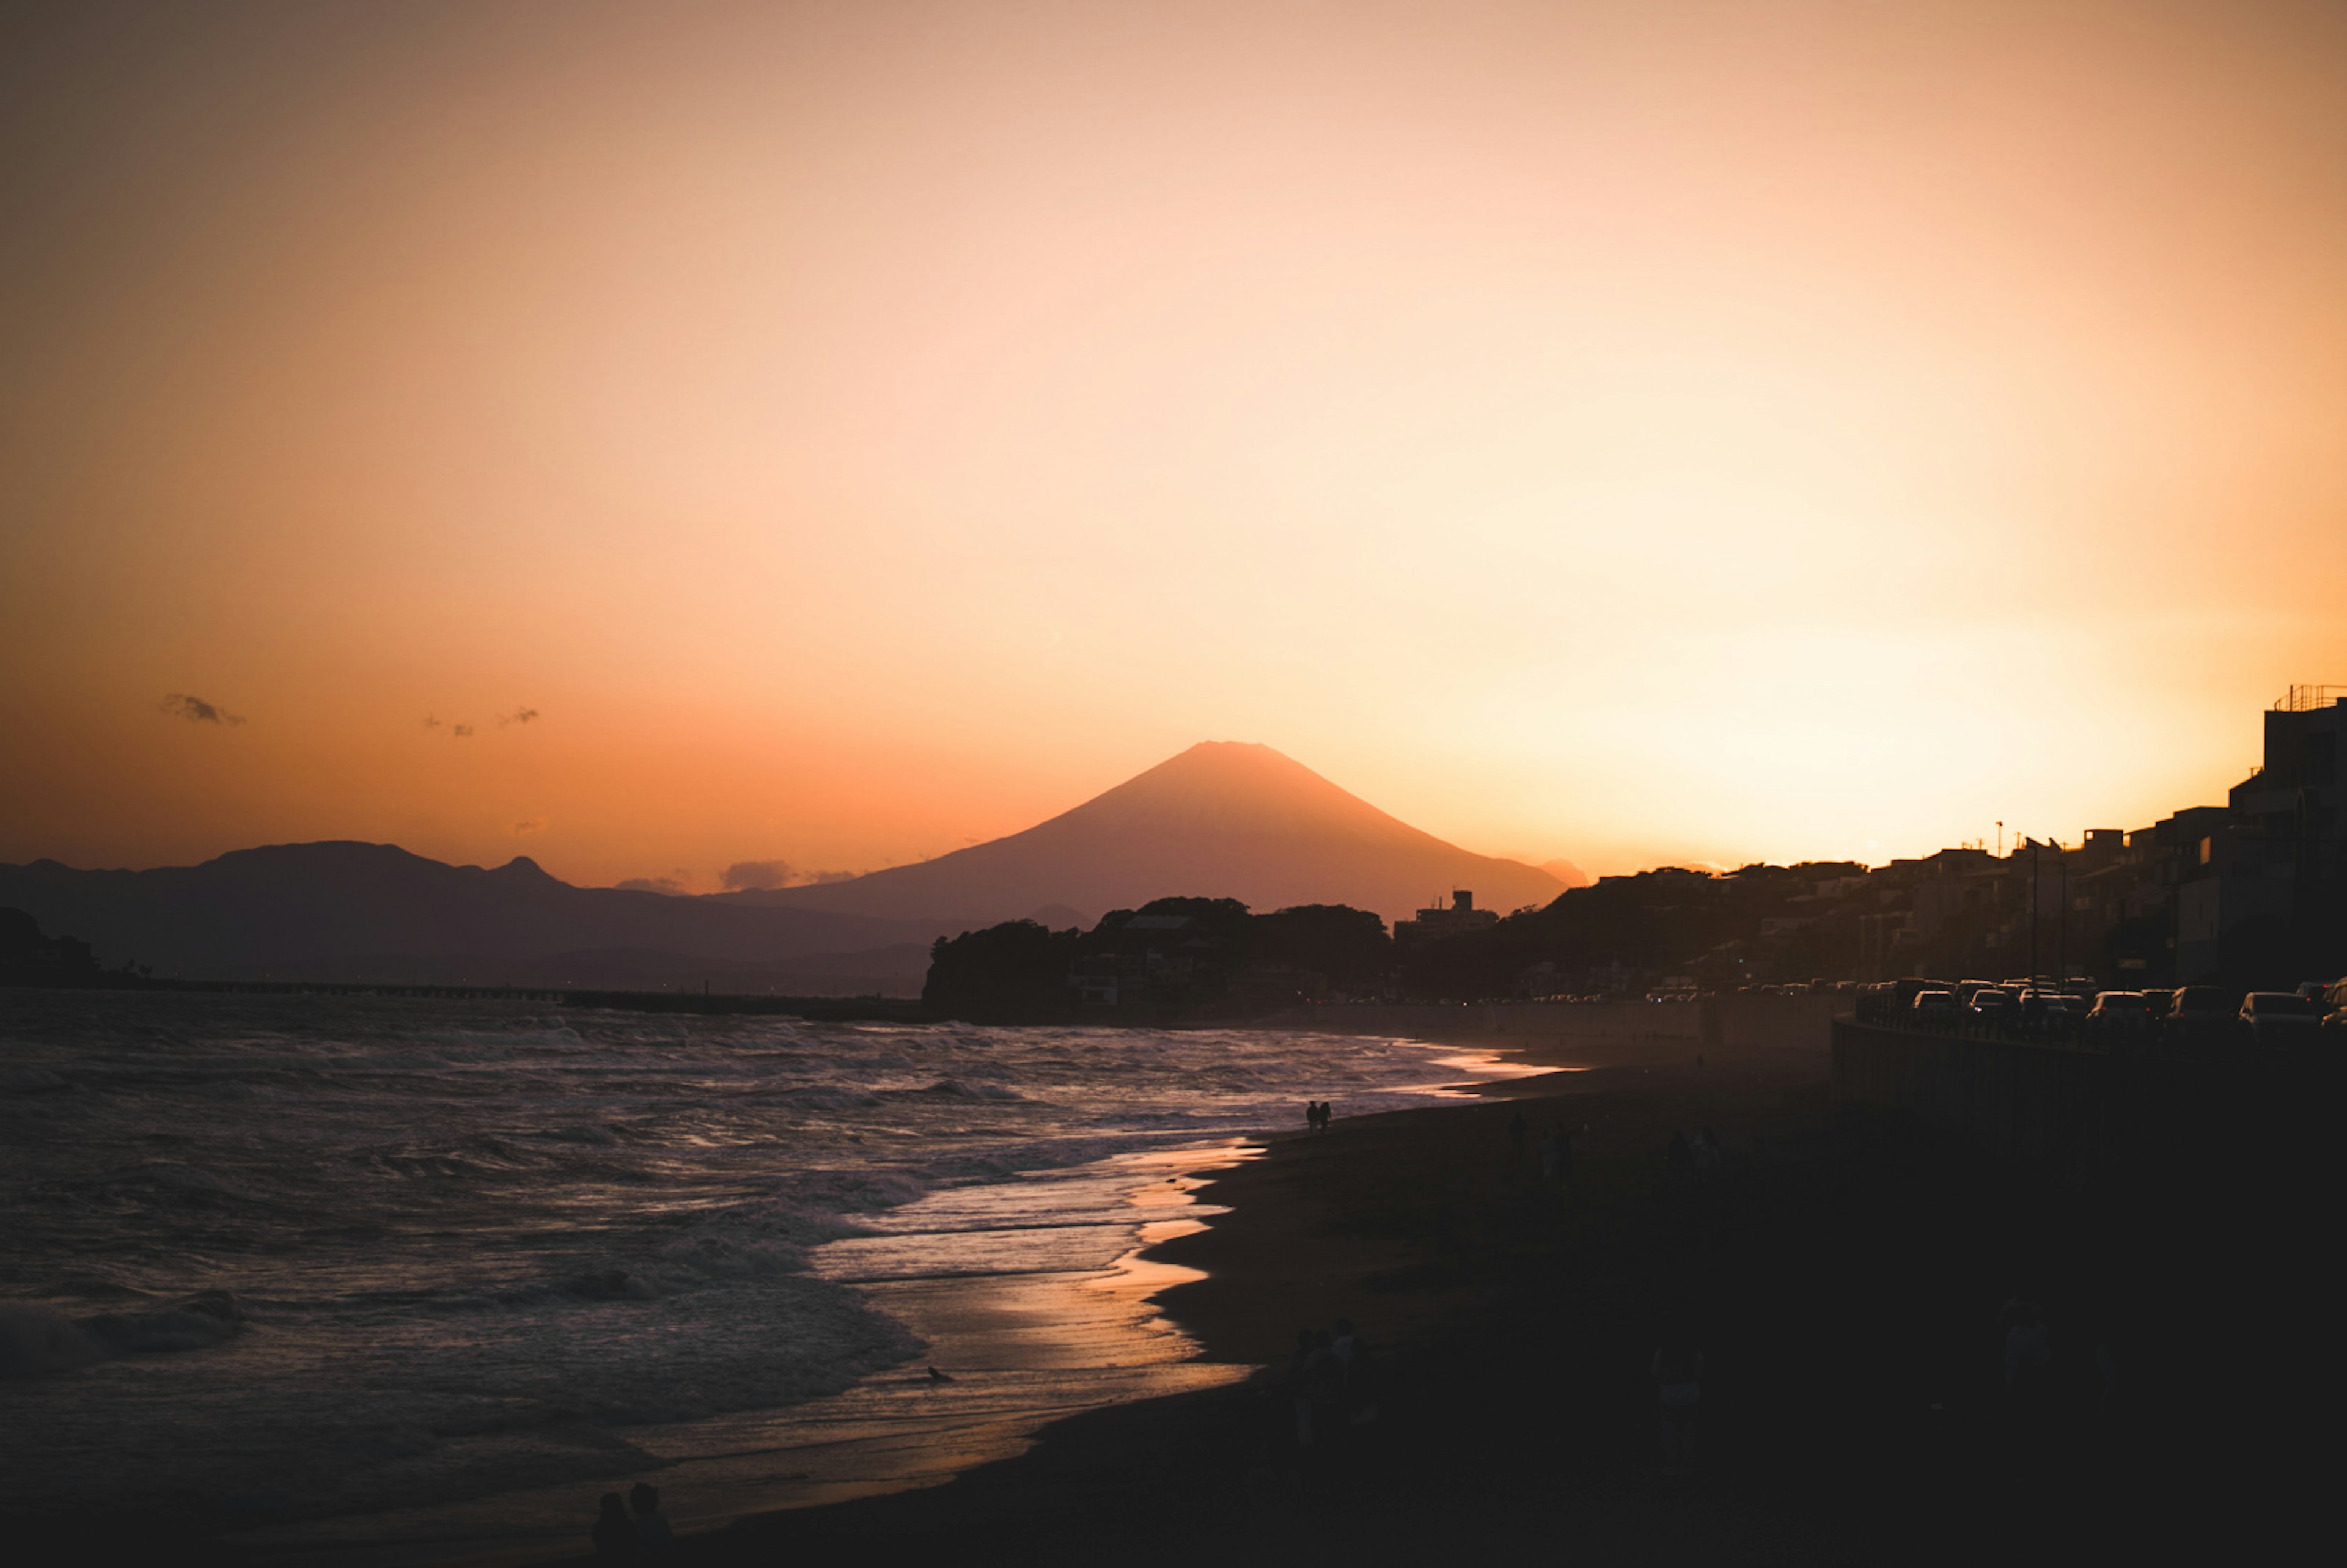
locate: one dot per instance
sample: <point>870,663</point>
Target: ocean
<point>398,1279</point>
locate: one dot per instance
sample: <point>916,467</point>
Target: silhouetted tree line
<point>1171,957</point>
<point>1196,957</point>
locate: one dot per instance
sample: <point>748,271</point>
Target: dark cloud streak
<point>196,710</point>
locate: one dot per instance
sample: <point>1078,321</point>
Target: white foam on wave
<point>527,1235</point>
<point>37,1338</point>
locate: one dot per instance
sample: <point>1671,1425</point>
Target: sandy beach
<point>1842,1271</point>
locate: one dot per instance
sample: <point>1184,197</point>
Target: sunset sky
<point>1640,433</point>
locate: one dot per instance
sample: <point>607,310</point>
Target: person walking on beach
<point>1360,1374</point>
<point>1315,1385</point>
<point>2028,1352</point>
<point>653,1533</point>
<point>614,1536</point>
<point>1678,1384</point>
<point>2028,1380</point>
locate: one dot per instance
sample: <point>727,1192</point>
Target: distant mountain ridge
<point>1225,818</point>
<point>346,910</point>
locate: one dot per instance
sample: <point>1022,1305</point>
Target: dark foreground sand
<point>1843,1274</point>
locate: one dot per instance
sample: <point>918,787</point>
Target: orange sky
<point>1632,433</point>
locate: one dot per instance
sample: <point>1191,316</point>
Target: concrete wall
<point>2028,1102</point>
<point>2045,1104</point>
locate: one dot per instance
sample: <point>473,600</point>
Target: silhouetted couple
<point>1317,1114</point>
<point>643,1539</point>
<point>1331,1382</point>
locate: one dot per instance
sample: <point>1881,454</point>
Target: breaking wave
<point>34,1339</point>
<point>396,1244</point>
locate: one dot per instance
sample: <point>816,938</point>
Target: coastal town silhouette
<point>1015,781</point>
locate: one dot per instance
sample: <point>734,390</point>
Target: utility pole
<point>2062,923</point>
<point>2000,839</point>
<point>2035,903</point>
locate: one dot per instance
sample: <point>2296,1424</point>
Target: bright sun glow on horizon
<point>1748,432</point>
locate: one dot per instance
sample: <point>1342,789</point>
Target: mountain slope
<point>373,911</point>
<point>1223,818</point>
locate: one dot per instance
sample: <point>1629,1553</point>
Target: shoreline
<point>1028,1347</point>
<point>1033,1325</point>
<point>1844,1273</point>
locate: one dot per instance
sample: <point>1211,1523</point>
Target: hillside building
<point>1435,922</point>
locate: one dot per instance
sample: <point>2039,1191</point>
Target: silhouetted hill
<point>29,958</point>
<point>373,911</point>
<point>1223,818</point>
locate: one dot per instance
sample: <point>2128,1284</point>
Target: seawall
<point>2071,1107</point>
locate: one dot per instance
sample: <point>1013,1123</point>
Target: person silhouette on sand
<point>614,1534</point>
<point>1677,1370</point>
<point>653,1533</point>
<point>1682,1157</point>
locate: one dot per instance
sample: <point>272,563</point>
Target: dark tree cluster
<point>1172,957</point>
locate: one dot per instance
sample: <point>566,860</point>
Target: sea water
<point>294,1258</point>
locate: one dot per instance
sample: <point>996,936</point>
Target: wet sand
<point>1002,1282</point>
<point>1843,1272</point>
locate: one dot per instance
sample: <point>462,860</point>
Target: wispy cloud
<point>671,885</point>
<point>196,710</point>
<point>524,829</point>
<point>744,875</point>
<point>465,731</point>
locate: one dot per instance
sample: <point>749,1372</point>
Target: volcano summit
<point>1225,819</point>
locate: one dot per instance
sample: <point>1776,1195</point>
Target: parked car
<point>2198,1019</point>
<point>1993,1005</point>
<point>2334,1021</point>
<point>2155,1003</point>
<point>1934,1010</point>
<point>2280,1020</point>
<point>2118,1018</point>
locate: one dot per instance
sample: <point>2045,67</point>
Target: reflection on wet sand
<point>1033,1296</point>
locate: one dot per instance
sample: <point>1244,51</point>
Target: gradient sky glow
<point>1641,434</point>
